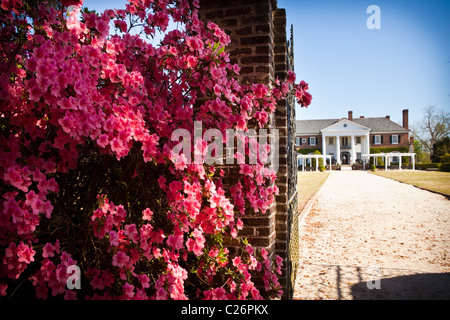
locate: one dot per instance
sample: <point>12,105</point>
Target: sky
<point>373,72</point>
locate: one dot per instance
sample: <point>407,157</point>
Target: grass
<point>308,184</point>
<point>430,180</point>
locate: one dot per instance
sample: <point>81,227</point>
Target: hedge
<point>308,151</point>
<point>425,166</point>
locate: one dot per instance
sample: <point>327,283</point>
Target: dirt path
<point>366,232</point>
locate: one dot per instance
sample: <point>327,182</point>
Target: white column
<point>324,146</point>
<point>413,161</point>
<point>353,151</point>
<point>317,163</point>
<point>385,162</point>
<point>367,142</point>
<point>338,150</point>
<point>400,163</point>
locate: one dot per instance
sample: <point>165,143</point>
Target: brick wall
<point>305,145</point>
<point>257,29</point>
<point>403,141</point>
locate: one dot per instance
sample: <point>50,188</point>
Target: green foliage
<point>389,149</point>
<point>373,168</point>
<point>425,166</point>
<point>445,167</point>
<point>320,164</point>
<point>422,155</point>
<point>307,151</point>
<point>445,158</point>
<point>440,148</point>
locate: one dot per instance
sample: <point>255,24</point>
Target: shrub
<point>425,166</point>
<point>445,158</point>
<point>88,173</point>
<point>373,167</point>
<point>445,167</point>
<point>307,151</point>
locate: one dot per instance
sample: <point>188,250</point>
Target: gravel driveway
<point>368,237</point>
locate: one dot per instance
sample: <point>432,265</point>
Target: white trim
<point>375,139</point>
<point>392,138</point>
<point>344,121</point>
<point>389,132</point>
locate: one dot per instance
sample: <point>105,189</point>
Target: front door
<point>345,157</point>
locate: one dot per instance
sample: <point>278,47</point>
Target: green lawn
<point>308,184</point>
<point>430,180</point>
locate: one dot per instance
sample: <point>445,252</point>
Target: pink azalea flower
<point>49,249</point>
<point>120,259</point>
<point>147,214</point>
<point>25,253</point>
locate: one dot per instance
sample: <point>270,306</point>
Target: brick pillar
<point>249,25</point>
<point>257,29</point>
<point>282,124</point>
<point>405,119</point>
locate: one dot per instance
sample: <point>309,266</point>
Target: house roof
<point>374,124</point>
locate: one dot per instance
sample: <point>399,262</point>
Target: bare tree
<point>434,126</point>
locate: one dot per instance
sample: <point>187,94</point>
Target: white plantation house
<point>348,141</point>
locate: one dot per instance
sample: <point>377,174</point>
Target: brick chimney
<point>361,117</point>
<point>350,115</point>
<point>388,117</point>
<point>405,119</point>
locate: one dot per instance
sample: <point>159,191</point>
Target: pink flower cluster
<point>70,89</point>
<point>53,273</point>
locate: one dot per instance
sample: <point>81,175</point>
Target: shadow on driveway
<point>423,286</point>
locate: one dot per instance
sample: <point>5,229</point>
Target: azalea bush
<point>88,105</point>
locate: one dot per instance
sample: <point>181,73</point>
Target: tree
<point>440,149</point>
<point>422,155</point>
<point>434,126</point>
<point>88,179</point>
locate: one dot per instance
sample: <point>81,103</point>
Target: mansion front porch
<point>346,142</point>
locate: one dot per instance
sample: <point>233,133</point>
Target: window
<point>303,140</point>
<point>377,139</point>
<point>298,141</point>
<point>345,142</point>
<point>358,140</point>
<point>312,141</point>
<point>331,141</point>
<point>394,139</point>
